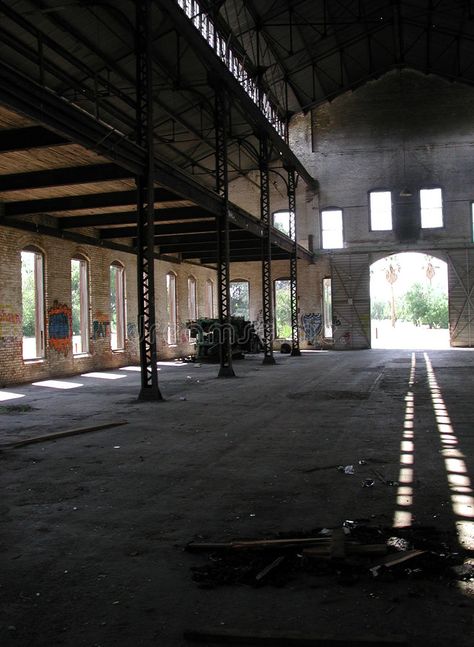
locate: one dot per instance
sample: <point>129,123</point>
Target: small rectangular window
<point>281,221</point>
<point>380,211</point>
<point>327,308</point>
<point>332,229</point>
<point>431,205</point>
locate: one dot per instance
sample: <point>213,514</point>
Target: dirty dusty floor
<point>92,527</point>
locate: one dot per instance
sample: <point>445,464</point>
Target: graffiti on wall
<point>100,326</point>
<point>10,321</point>
<point>132,331</point>
<point>312,324</point>
<point>60,327</point>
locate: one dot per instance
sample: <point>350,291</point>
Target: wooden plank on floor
<point>289,639</point>
<point>62,434</point>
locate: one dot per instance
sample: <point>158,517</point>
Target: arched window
<point>209,299</point>
<point>192,299</point>
<point>282,294</point>
<point>32,297</point>
<point>281,221</point>
<point>80,305</point>
<point>171,304</point>
<point>117,306</point>
<point>240,298</point>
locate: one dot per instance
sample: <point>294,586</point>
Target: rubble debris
<point>350,553</point>
<point>368,483</point>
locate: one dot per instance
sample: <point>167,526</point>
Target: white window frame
<point>332,229</point>
<point>117,275</point>
<point>431,216</point>
<point>83,305</point>
<point>38,270</point>
<point>380,214</point>
<point>172,311</point>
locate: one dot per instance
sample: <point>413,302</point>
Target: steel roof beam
<point>130,217</point>
<point>206,54</point>
<point>185,228</point>
<point>77,202</point>
<point>63,177</point>
<point>19,139</point>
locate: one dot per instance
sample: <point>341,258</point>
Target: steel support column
<point>145,206</point>
<point>295,335</point>
<point>223,238</point>
<point>267,287</point>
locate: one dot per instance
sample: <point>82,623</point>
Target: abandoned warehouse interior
<point>167,168</point>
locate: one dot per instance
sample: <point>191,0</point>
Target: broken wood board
<point>62,434</point>
<point>290,639</point>
<point>350,548</point>
<point>258,543</point>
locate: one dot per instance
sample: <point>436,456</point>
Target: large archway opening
<point>409,301</point>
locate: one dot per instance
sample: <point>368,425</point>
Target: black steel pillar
<point>295,335</point>
<point>225,329</point>
<point>145,206</point>
<point>267,288</point>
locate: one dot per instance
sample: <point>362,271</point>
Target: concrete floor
<point>92,527</point>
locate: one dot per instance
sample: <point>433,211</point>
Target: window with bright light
<point>281,221</point>
<point>209,299</point>
<point>327,308</point>
<point>80,306</point>
<point>117,306</point>
<point>431,204</point>
<point>282,294</point>
<point>240,299</point>
<point>380,210</point>
<point>192,299</point>
<point>332,229</point>
<point>171,307</point>
<point>32,297</point>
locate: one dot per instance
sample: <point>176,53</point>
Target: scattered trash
<point>368,483</point>
<point>464,572</point>
<point>362,461</point>
<point>346,469</point>
<point>182,398</point>
<point>392,483</point>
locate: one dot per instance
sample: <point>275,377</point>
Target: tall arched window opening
<point>32,298</point>
<point>171,304</point>
<point>80,305</point>
<point>117,306</point>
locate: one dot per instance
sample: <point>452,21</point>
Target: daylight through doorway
<point>409,302</point>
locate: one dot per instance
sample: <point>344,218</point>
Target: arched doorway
<point>409,301</point>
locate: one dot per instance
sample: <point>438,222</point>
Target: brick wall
<point>57,283</point>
